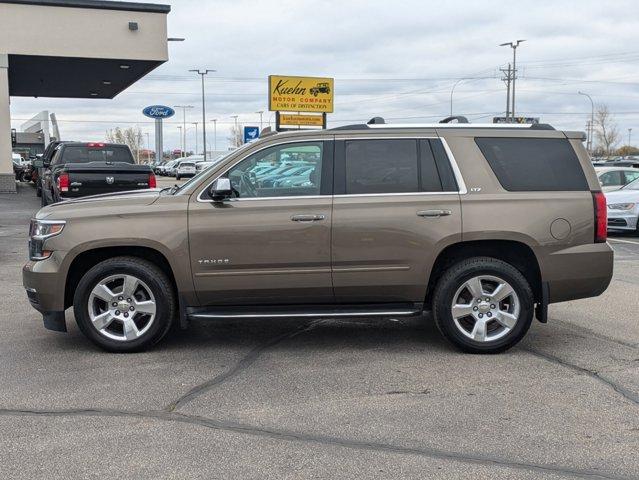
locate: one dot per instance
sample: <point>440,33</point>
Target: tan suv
<point>484,225</point>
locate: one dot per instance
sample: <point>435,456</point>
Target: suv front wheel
<point>483,305</point>
<point>124,304</point>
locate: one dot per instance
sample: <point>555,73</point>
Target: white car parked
<point>613,178</point>
<point>186,168</point>
<point>623,208</point>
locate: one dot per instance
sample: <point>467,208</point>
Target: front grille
<point>617,222</point>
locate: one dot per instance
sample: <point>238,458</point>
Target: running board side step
<point>305,311</point>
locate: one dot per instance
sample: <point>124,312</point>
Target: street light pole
<point>261,112</point>
<point>196,149</point>
<point>629,134</point>
<point>237,133</point>
<point>201,73</point>
<point>214,134</point>
<point>184,107</point>
<point>181,141</point>
<point>592,121</point>
<point>514,46</point>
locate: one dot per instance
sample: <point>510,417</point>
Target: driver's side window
<point>292,169</point>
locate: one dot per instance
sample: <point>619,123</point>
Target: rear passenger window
<point>381,166</point>
<point>533,164</point>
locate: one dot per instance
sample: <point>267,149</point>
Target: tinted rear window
<point>533,164</point>
<point>80,154</point>
<point>381,166</point>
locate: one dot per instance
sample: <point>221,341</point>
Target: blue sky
<point>397,59</point>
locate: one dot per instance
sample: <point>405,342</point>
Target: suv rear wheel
<point>124,304</point>
<point>483,305</point>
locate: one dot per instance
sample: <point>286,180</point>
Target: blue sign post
<point>251,133</point>
<point>158,112</point>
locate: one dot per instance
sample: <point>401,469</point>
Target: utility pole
<point>261,112</point>
<point>201,73</point>
<point>514,46</point>
<point>214,134</point>
<point>507,79</point>
<point>196,149</point>
<point>183,131</point>
<point>592,121</point>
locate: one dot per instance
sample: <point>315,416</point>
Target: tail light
<point>152,181</point>
<point>63,182</point>
<point>95,145</point>
<point>601,217</point>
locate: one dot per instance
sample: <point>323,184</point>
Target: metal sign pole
<point>158,140</point>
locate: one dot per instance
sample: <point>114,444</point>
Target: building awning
<point>70,77</point>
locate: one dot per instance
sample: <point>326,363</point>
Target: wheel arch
<point>518,254</point>
<point>89,258</point>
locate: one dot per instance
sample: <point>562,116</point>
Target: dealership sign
<point>523,120</point>
<point>302,120</point>
<point>158,111</point>
<point>300,94</point>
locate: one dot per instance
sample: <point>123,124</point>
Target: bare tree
<point>606,130</point>
<point>236,137</point>
<point>132,137</point>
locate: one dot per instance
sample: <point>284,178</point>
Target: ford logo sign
<point>158,111</point>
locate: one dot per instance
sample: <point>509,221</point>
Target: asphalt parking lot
<point>323,399</point>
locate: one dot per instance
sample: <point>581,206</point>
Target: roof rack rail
<point>376,121</point>
<point>459,118</point>
<point>541,126</point>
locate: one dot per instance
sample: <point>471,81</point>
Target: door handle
<point>434,213</point>
<point>308,218</point>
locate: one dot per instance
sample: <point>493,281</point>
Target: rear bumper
<point>578,272</point>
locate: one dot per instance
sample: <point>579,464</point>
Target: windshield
<point>634,185</point>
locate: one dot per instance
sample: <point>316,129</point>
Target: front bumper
<point>45,282</point>
<point>620,220</point>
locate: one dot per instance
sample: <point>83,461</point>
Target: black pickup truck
<point>79,169</point>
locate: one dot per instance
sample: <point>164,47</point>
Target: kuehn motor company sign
<point>300,94</point>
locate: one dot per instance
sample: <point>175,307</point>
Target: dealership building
<point>73,49</point>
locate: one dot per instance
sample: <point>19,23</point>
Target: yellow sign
<point>302,120</point>
<point>300,94</point>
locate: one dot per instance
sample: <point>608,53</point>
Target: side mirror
<point>221,189</point>
<point>37,163</point>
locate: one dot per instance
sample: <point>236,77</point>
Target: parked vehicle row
<point>370,227</point>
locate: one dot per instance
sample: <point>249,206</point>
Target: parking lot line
<point>622,241</point>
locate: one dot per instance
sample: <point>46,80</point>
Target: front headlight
<point>39,231</point>
<point>621,206</point>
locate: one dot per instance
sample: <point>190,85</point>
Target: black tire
<point>157,281</point>
<point>463,271</point>
<point>38,190</point>
<point>44,201</point>
<point>177,177</point>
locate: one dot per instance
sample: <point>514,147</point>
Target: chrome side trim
<point>390,268</point>
<point>306,315</point>
<point>458,176</point>
<point>403,194</point>
<point>283,271</point>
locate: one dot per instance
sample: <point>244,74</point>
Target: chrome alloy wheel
<point>485,308</point>
<point>122,307</point>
